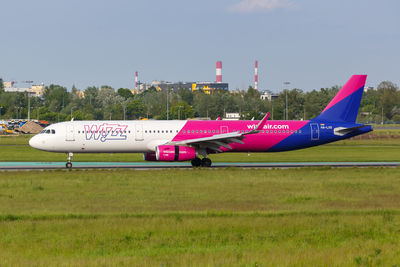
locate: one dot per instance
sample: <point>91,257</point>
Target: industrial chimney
<point>136,80</point>
<point>219,71</point>
<point>256,75</point>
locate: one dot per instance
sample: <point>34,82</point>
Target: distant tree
<point>56,97</point>
<point>389,98</point>
<point>125,93</point>
<point>1,86</point>
<point>106,98</point>
<point>181,111</point>
<point>136,109</point>
<point>185,95</point>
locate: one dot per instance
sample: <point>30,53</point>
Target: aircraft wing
<point>221,140</point>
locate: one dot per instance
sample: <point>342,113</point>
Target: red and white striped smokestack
<point>256,75</point>
<point>136,80</point>
<point>219,71</point>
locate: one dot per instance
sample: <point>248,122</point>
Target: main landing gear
<point>68,165</point>
<point>204,162</point>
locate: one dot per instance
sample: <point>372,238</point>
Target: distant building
<point>34,90</point>
<point>206,87</point>
<point>37,90</point>
<point>134,91</point>
<point>232,116</point>
<point>8,84</point>
<point>368,88</point>
<point>16,89</point>
<point>268,95</point>
<point>209,87</point>
<point>80,94</point>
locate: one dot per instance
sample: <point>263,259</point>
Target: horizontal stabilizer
<point>343,131</point>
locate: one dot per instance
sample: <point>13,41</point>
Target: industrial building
<point>206,87</point>
<point>34,90</point>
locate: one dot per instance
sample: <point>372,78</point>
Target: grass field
<point>203,217</point>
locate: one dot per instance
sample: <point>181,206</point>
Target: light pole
<point>286,109</point>
<point>0,111</point>
<point>29,106</point>
<point>167,103</point>
<point>179,112</point>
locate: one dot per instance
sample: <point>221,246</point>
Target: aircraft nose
<point>34,142</point>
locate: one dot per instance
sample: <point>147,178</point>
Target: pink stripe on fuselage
<point>352,85</point>
<point>274,132</point>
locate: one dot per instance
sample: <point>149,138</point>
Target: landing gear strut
<point>204,162</point>
<point>68,165</point>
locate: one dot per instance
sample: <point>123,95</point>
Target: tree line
<point>105,103</point>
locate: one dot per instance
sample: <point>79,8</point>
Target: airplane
<point>188,140</point>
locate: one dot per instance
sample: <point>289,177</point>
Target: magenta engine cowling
<point>175,153</point>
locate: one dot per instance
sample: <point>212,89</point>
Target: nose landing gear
<point>68,165</point>
<point>204,162</point>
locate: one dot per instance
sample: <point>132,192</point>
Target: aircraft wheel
<point>68,165</point>
<point>196,162</point>
<point>206,162</point>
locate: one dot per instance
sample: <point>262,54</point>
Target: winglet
<point>218,119</point>
<point>262,122</point>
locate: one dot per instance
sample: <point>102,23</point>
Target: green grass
<point>203,217</point>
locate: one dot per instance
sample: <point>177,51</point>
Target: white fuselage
<point>106,136</point>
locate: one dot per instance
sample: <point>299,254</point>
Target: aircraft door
<point>138,132</point>
<point>224,129</point>
<point>70,132</point>
<point>314,131</point>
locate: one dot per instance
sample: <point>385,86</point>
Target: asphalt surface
<point>167,165</point>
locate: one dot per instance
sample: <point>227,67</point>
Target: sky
<point>309,43</point>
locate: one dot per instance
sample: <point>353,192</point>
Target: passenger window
<point>217,131</point>
<point>197,131</point>
<point>201,131</point>
<point>183,131</point>
<point>213,131</point>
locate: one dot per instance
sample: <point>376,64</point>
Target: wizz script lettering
<point>105,132</point>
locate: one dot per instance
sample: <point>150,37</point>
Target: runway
<point>167,165</point>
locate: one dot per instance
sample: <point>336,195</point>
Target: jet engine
<point>175,153</point>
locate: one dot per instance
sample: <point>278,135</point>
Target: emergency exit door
<point>70,132</point>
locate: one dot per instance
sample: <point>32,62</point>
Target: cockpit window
<point>47,131</point>
<point>53,131</point>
